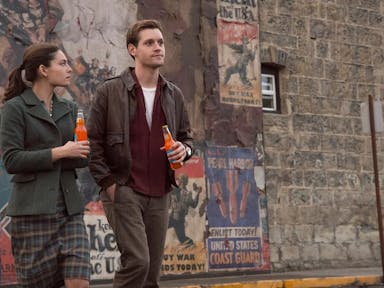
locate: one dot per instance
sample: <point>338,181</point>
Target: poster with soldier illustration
<point>236,210</point>
<point>185,251</point>
<point>238,53</point>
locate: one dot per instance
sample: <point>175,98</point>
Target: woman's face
<point>59,72</point>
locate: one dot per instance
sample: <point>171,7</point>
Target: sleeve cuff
<point>107,181</point>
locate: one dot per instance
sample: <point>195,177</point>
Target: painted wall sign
<point>7,266</point>
<point>185,250</point>
<point>237,237</point>
<point>238,52</point>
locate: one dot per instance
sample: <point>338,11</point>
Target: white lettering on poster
<point>105,257</point>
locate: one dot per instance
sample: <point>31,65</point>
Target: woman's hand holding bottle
<point>71,149</point>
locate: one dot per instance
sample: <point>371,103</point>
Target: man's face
<point>150,50</point>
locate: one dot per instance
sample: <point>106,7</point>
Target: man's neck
<point>147,77</point>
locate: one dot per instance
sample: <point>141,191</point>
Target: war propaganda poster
<point>236,210</point>
<point>238,52</point>
<point>7,265</point>
<point>185,250</point>
<point>105,257</point>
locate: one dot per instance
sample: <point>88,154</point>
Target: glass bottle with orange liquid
<point>168,142</point>
<point>80,130</point>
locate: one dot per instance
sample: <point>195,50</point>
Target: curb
<point>300,283</point>
<point>333,281</point>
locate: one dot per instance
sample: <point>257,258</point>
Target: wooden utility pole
<point>377,184</point>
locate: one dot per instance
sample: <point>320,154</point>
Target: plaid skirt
<point>50,248</point>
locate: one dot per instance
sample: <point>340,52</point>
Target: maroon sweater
<point>149,171</point>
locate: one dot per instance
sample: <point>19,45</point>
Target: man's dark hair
<point>136,28</point>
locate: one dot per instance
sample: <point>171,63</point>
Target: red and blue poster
<point>7,265</point>
<point>236,210</point>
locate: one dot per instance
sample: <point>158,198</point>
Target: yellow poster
<point>185,250</point>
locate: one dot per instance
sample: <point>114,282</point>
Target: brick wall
<point>319,171</point>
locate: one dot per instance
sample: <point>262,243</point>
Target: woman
<point>49,240</point>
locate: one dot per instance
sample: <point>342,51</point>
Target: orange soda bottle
<point>80,130</point>
<point>168,142</point>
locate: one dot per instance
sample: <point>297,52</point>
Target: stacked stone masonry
<point>319,171</point>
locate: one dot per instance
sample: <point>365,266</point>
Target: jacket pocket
<point>114,150</point>
<point>22,178</point>
<point>113,139</point>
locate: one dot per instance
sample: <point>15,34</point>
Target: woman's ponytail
<point>16,85</point>
<point>23,76</point>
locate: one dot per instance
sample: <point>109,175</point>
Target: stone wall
<point>319,171</point>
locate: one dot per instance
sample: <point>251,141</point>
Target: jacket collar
<point>36,108</point>
<point>129,80</point>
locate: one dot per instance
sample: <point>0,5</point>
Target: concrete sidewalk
<point>349,277</point>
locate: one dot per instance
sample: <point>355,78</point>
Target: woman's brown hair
<point>34,56</point>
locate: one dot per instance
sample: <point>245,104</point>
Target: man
<point>128,160</point>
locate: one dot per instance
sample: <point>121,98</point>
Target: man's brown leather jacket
<point>108,126</point>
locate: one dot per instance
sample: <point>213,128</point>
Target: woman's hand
<point>71,149</point>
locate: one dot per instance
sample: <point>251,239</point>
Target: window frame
<point>270,71</point>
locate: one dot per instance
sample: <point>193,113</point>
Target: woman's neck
<point>43,91</point>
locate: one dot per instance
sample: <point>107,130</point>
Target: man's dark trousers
<point>140,224</point>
